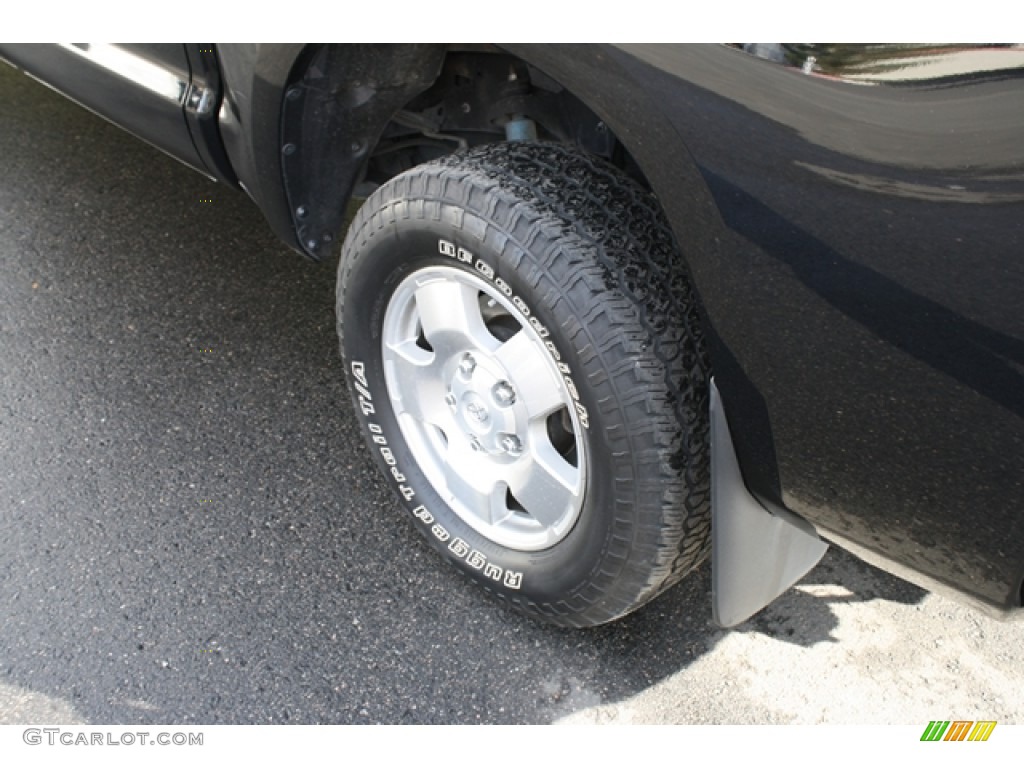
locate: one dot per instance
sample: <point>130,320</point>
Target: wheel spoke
<point>534,381</point>
<point>449,312</point>
<point>544,483</point>
<point>418,388</point>
<point>472,482</point>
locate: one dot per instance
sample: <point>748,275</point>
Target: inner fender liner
<point>338,103</point>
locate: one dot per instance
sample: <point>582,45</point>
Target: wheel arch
<point>597,75</point>
<point>297,121</point>
<point>301,121</point>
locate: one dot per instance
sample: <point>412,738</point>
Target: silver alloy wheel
<point>483,408</point>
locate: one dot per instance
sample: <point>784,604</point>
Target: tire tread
<point>601,244</point>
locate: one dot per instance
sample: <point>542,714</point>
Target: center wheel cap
<point>475,412</point>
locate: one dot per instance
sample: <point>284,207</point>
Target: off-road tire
<point>586,257</point>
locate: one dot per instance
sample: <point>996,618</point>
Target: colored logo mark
<point>958,730</point>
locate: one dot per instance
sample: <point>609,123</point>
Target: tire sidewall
<point>560,579</point>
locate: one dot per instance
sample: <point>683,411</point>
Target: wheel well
<point>354,116</point>
<point>477,98</point>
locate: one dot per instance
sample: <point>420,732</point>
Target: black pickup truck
<point>607,310</point>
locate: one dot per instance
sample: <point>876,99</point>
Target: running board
<point>755,555</point>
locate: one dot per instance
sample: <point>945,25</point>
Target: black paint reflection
<point>867,289</point>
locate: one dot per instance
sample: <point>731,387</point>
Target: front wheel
<point>524,350</point>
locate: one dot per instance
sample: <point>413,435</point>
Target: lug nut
<point>467,365</point>
<point>504,394</point>
<point>511,444</point>
<point>475,444</point>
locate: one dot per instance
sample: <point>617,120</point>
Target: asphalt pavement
<point>191,530</point>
